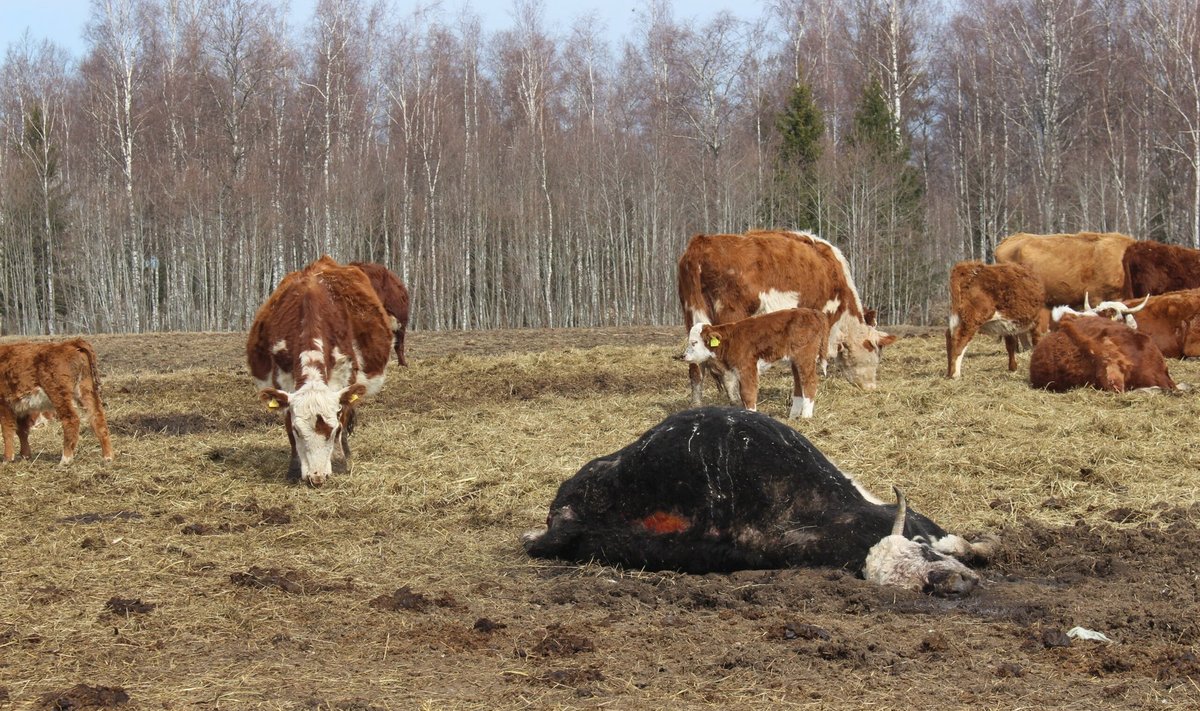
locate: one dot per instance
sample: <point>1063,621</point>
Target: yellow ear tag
<point>353,397</point>
<point>714,342</point>
<point>273,404</point>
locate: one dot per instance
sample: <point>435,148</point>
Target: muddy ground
<point>190,574</point>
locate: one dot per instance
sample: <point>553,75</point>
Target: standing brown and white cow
<point>41,378</point>
<point>727,277</point>
<point>999,300</point>
<point>1071,265</point>
<point>744,347</point>
<point>319,342</point>
<point>394,297</point>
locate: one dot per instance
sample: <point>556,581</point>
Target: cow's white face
<point>916,565</point>
<point>315,416</point>
<point>697,351</point>
<point>858,353</point>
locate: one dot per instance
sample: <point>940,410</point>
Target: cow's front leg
<point>8,425</point>
<point>748,387</point>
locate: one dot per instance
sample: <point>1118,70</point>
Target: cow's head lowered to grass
<point>318,420</point>
<point>718,489</point>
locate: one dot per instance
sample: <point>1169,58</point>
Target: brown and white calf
<point>394,297</point>
<point>738,351</point>
<point>319,343</point>
<point>41,378</point>
<point>999,300</point>
<point>729,277</point>
<point>1091,351</point>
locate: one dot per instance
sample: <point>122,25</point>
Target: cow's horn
<point>1086,306</point>
<point>1139,307</point>
<point>901,511</point>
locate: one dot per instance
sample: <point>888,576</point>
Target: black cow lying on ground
<point>720,489</point>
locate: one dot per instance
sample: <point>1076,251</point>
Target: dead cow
<point>722,489</point>
<point>1090,351</point>
<point>58,378</point>
<point>999,300</point>
<point>738,351</point>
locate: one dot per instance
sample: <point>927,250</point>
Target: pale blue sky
<point>62,21</point>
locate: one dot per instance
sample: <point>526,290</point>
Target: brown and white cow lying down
<point>738,351</point>
<point>41,378</point>
<point>999,300</point>
<point>1171,320</point>
<point>721,489</point>
<point>394,297</point>
<point>1090,351</point>
<point>319,342</point>
<point>729,277</point>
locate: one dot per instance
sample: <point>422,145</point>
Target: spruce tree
<point>801,128</point>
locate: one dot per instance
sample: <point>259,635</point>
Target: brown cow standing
<point>394,297</point>
<point>319,342</point>
<point>36,378</point>
<point>1096,352</point>
<point>1157,268</point>
<point>1071,265</point>
<point>999,300</point>
<point>727,277</point>
<point>1171,320</point>
<point>742,347</point>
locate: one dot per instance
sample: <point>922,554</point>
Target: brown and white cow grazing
<point>1089,351</point>
<point>1157,268</point>
<point>999,300</point>
<point>58,378</point>
<point>739,349</point>
<point>1071,265</point>
<point>319,342</point>
<point>394,297</point>
<point>727,277</point>
<point>1171,320</point>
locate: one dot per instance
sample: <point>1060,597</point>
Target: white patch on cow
<point>697,351</point>
<point>958,362</point>
<point>700,317</point>
<point>1058,312</point>
<point>801,406</point>
<point>343,369</point>
<point>831,306</point>
<point>862,490</point>
<point>393,323</point>
<point>33,402</point>
<point>312,363</point>
<point>900,562</point>
<point>953,321</point>
<point>279,346</point>
<point>774,300</point>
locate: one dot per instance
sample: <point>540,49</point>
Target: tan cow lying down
<point>736,351</point>
<point>1091,351</point>
<point>39,378</point>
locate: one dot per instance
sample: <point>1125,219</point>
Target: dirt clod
<point>82,696</point>
<point>125,607</point>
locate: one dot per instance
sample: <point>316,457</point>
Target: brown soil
<point>190,574</point>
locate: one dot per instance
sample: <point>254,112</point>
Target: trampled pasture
<point>189,574</point>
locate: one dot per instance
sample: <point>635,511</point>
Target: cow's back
<point>728,277</point>
<point>327,301</point>
<point>1071,265</point>
<point>1156,268</point>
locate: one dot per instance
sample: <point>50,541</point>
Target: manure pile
<point>189,574</point>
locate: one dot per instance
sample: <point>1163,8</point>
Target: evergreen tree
<point>874,127</point>
<point>796,203</point>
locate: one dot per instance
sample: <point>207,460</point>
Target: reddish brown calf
<point>737,350</point>
<point>1000,300</point>
<point>37,378</point>
<point>1089,351</point>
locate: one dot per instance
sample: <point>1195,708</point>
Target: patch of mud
<point>556,641</point>
<point>406,599</point>
<point>101,517</point>
<point>296,582</point>
<point>82,696</point>
<point>124,607</point>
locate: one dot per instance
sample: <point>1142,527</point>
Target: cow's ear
<point>712,339</point>
<point>275,399</point>
<point>352,393</point>
<point>886,339</point>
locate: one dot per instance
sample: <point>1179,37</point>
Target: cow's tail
<point>1127,273</point>
<point>691,292</point>
<point>86,349</point>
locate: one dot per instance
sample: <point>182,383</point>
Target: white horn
<point>901,511</point>
<point>1086,306</point>
<point>1139,307</point>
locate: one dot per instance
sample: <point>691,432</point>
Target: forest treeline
<point>197,150</point>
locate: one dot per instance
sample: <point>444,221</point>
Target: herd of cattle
<point>709,489</point>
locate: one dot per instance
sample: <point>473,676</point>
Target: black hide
<point>714,490</point>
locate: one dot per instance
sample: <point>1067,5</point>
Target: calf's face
<point>918,565</point>
<point>701,340</point>
<point>316,416</point>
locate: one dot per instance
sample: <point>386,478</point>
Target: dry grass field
<point>189,574</point>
